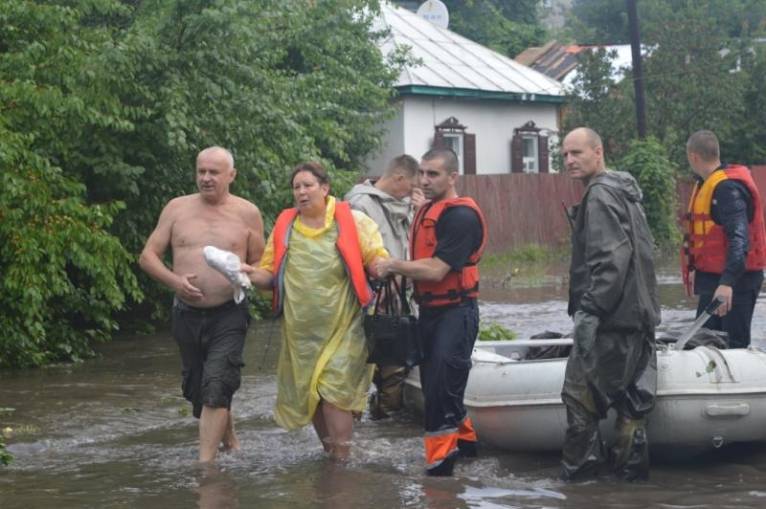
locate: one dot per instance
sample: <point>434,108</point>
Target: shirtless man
<point>208,325</point>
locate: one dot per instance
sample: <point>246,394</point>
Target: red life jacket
<point>705,243</point>
<point>348,248</point>
<point>456,285</point>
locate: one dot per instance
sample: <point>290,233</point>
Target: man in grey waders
<point>613,299</point>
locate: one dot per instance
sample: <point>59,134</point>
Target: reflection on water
<point>114,432</point>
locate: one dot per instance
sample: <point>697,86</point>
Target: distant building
<point>495,113</point>
<point>559,61</point>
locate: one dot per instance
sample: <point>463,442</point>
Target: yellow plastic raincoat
<point>324,353</point>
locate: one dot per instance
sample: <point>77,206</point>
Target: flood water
<point>113,432</point>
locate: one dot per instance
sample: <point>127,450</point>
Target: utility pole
<point>638,75</point>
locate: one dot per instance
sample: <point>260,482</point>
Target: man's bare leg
<point>320,426</point>
<point>212,427</point>
<point>230,440</point>
<point>340,424</point>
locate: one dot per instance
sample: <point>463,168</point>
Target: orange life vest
<point>456,285</point>
<point>705,244</point>
<point>348,248</point>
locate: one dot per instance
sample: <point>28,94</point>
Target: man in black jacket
<point>725,242</point>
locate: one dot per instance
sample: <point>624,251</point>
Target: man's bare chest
<point>224,231</point>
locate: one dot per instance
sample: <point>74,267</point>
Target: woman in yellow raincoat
<point>315,262</point>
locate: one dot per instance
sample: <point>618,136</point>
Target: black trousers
<point>448,336</point>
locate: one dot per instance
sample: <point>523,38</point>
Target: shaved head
<point>592,138</point>
<point>583,153</point>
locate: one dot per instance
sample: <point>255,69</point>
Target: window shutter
<point>438,140</point>
<point>517,154</point>
<point>542,154</point>
<point>469,154</point>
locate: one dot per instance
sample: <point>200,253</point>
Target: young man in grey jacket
<point>390,202</point>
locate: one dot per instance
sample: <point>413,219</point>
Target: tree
<point>63,272</point>
<point>106,103</point>
<point>599,22</point>
<point>606,21</point>
<point>746,145</point>
<point>506,27</point>
<point>647,161</point>
<point>690,84</point>
<point>598,102</point>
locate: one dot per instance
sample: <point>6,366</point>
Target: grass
<point>526,266</point>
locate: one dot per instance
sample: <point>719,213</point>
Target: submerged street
<point>115,432</point>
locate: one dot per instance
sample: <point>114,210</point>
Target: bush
<point>496,332</point>
<point>647,161</point>
<point>63,274</point>
<point>104,106</point>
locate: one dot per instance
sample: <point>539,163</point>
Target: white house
<point>497,114</point>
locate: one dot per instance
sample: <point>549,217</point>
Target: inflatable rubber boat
<point>706,398</point>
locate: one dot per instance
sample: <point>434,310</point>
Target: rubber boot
<point>583,453</point>
<point>467,449</point>
<point>443,469</point>
<point>631,450</point>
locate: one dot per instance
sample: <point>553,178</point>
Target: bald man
<point>613,299</point>
<point>208,325</point>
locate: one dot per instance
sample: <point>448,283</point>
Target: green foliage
<point>496,332</point>
<point>690,84</point>
<point>647,161</point>
<point>606,21</point>
<point>599,21</point>
<point>506,27</point>
<point>103,107</point>
<point>747,144</point>
<point>5,457</point>
<point>63,273</point>
<point>599,103</point>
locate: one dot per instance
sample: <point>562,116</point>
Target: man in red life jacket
<point>724,250</point>
<point>446,242</point>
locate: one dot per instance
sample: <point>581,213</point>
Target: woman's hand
<point>261,278</point>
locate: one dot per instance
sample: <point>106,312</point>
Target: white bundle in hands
<point>228,264</point>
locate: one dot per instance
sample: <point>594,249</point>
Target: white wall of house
<point>392,144</point>
<point>492,122</point>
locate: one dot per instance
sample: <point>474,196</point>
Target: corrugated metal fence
<point>526,208</point>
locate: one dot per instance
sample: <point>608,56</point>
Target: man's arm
<point>730,211</point>
<point>151,262</point>
<point>458,236</point>
<point>425,269</point>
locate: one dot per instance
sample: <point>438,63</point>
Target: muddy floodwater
<point>113,432</point>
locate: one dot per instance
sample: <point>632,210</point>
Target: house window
<point>454,141</point>
<point>451,134</point>
<point>529,154</point>
<point>529,150</point>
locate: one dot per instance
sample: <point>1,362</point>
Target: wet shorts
<point>211,341</point>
